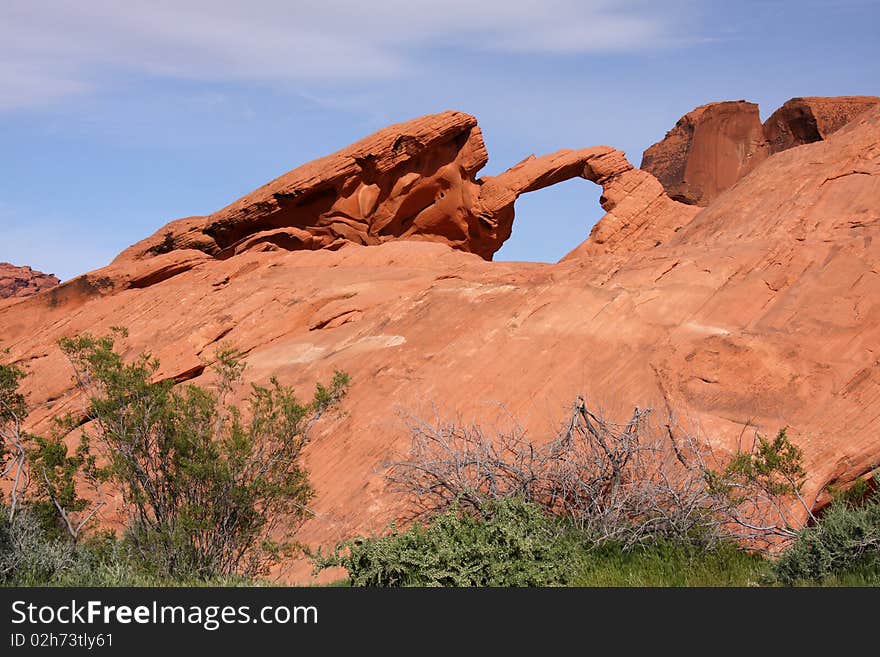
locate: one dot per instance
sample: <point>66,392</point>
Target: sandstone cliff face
<point>715,145</point>
<point>760,311</point>
<point>707,151</point>
<point>20,282</point>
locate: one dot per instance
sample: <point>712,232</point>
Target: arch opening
<point>550,222</point>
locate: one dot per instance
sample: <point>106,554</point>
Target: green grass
<point>866,576</point>
<point>669,565</point>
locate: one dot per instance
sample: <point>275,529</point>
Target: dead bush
<point>626,482</point>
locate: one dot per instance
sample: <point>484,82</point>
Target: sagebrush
<point>845,540</point>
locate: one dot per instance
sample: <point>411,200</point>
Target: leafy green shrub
<point>845,541</point>
<point>207,487</point>
<point>57,476</point>
<point>211,492</point>
<point>13,411</point>
<point>772,466</point>
<point>513,543</point>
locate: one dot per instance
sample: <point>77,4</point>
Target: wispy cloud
<point>50,49</point>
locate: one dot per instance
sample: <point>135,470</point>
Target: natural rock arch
<point>414,180</point>
<point>638,211</point>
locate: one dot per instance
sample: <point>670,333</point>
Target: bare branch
<point>625,482</point>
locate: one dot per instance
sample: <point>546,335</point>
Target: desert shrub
<point>58,475</point>
<point>13,412</point>
<point>511,543</point>
<point>29,556</point>
<point>626,483</point>
<point>519,544</point>
<point>210,490</point>
<point>844,542</point>
<point>33,553</point>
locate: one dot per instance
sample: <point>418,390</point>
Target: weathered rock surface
<point>640,215</point>
<point>806,120</point>
<point>715,145</point>
<point>707,151</point>
<point>414,180</point>
<point>759,311</point>
<point>20,282</point>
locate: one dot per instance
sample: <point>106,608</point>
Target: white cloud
<point>23,86</point>
<point>53,48</point>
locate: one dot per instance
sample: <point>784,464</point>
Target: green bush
<point>13,411</point>
<point>513,543</point>
<point>210,490</point>
<point>844,545</point>
<point>29,556</point>
<point>33,553</point>
<point>519,544</point>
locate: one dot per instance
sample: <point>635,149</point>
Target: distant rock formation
<point>805,120</point>
<point>707,151</point>
<point>20,282</point>
<point>715,145</point>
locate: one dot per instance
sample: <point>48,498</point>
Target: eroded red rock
<point>715,145</point>
<point>759,311</point>
<point>806,120</point>
<point>20,282</point>
<point>707,151</point>
<point>414,180</point>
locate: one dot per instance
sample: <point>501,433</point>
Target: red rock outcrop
<point>414,180</point>
<point>759,311</point>
<point>715,145</point>
<point>707,151</point>
<point>805,120</point>
<point>640,215</point>
<point>409,179</point>
<point>20,282</point>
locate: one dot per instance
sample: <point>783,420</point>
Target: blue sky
<point>116,117</point>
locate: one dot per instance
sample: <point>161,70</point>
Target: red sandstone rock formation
<point>805,120</point>
<point>20,282</point>
<point>715,145</point>
<point>707,151</point>
<point>761,310</point>
<point>414,180</point>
